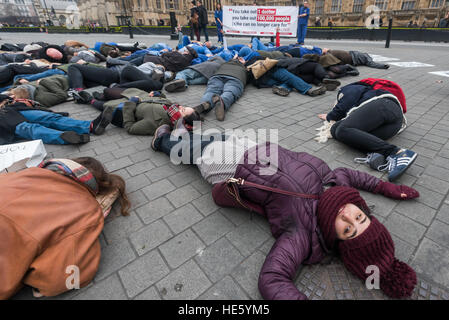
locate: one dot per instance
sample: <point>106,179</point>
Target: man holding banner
<point>303,19</point>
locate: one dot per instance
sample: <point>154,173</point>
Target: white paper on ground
<point>440,73</point>
<point>378,58</point>
<point>411,64</point>
<point>17,156</point>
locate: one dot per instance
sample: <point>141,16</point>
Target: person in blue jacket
<point>303,19</point>
<point>219,21</point>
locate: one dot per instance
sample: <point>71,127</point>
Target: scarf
<point>72,170</point>
<point>174,114</point>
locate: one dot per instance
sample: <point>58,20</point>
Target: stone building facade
<point>342,12</point>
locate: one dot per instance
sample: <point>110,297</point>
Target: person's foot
<point>203,107</point>
<point>82,97</point>
<point>169,76</point>
<point>71,137</point>
<point>176,85</point>
<point>160,131</point>
<point>330,84</point>
<point>102,121</point>
<point>386,66</point>
<point>399,163</point>
<point>281,91</point>
<point>316,92</point>
<point>351,70</point>
<point>219,107</point>
<point>374,160</point>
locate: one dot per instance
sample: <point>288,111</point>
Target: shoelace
<point>390,165</point>
<point>364,160</point>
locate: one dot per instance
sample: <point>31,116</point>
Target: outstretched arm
<point>281,264</point>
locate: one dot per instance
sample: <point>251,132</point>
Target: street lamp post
<point>128,21</point>
<point>173,22</point>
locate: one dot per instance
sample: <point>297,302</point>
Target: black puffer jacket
<point>173,61</point>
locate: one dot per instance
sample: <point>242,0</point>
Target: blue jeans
<point>219,34</point>
<point>191,76</point>
<point>49,126</point>
<point>204,28</point>
<point>36,76</point>
<point>258,45</point>
<point>228,88</point>
<point>282,77</point>
<point>302,30</point>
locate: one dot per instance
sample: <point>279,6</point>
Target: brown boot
<point>219,107</point>
<point>203,107</point>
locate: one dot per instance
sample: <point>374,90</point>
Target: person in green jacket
<point>141,113</point>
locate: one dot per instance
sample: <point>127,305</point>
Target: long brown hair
<point>107,182</point>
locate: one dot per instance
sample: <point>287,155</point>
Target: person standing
<point>219,21</point>
<point>194,21</point>
<point>203,21</point>
<point>444,22</point>
<point>303,19</point>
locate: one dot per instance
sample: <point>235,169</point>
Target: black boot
<point>316,92</point>
<point>203,107</point>
<point>330,84</point>
<point>102,121</point>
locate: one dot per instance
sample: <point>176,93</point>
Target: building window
<point>319,6</point>
<point>436,3</point>
<point>336,6</point>
<point>146,4</point>
<point>408,5</point>
<point>158,4</point>
<point>358,5</point>
<point>175,4</point>
<point>381,4</point>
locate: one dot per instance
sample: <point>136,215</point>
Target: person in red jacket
<point>311,209</point>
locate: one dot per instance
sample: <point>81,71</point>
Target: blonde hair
<point>20,93</point>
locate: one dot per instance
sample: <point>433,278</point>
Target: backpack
<point>389,86</point>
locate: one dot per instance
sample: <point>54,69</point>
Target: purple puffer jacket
<point>293,220</point>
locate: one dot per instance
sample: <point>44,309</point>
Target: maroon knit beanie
<point>375,247</point>
<point>329,204</point>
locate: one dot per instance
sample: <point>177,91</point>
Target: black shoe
<point>71,137</point>
<point>219,108</point>
<point>102,121</point>
<point>316,92</point>
<point>160,131</point>
<point>331,84</point>
<point>203,107</point>
<point>83,97</point>
<point>351,70</point>
<point>176,86</point>
<point>98,95</point>
<point>281,91</point>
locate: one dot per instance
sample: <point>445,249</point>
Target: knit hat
<point>374,247</point>
<point>329,204</point>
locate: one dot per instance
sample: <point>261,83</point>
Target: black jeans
<point>187,145</point>
<point>85,76</point>
<point>311,72</point>
<point>131,77</point>
<point>368,127</point>
<point>8,72</point>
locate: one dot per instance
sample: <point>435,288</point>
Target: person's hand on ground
<point>322,116</point>
<point>81,61</point>
<point>393,191</point>
<point>151,94</point>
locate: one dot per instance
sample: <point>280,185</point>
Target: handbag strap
<point>242,182</point>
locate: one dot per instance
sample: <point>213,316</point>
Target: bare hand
<point>81,61</point>
<point>322,116</point>
<point>23,81</point>
<point>151,94</point>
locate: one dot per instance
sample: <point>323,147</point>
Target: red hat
<point>330,202</point>
<point>374,247</point>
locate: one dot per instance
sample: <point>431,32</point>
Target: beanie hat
<point>54,53</point>
<point>329,204</point>
<point>375,247</point>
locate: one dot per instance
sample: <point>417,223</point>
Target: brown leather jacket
<point>48,222</point>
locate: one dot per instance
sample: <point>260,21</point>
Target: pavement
<point>177,244</point>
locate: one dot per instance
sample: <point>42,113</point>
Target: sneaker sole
<point>72,137</point>
<point>219,111</point>
<point>106,119</point>
<point>402,172</point>
<point>154,138</point>
<point>172,87</point>
<point>280,92</point>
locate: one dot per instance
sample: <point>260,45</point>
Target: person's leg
<point>304,32</point>
<point>56,121</point>
<point>256,44</point>
<point>284,76</point>
<point>113,93</point>
<point>145,85</point>
<point>356,130</point>
<point>34,131</point>
<point>206,35</point>
<point>85,74</point>
<point>232,91</point>
<point>214,87</point>
<point>131,73</point>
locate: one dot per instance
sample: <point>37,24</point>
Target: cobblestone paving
<point>177,244</point>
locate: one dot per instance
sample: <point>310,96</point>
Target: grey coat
<point>208,68</point>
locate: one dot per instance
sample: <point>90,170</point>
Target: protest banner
<point>18,156</point>
<point>260,21</point>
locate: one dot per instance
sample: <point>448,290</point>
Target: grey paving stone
<point>157,189</point>
<point>121,227</point>
<point>403,250</point>
<point>438,172</point>
<point>140,167</point>
<point>143,273</point>
<point>247,237</point>
<point>137,199</point>
<point>433,184</point>
<point>428,197</point>
<point>182,218</point>
<point>205,204</point>
<point>181,248</point>
<point>225,289</point>
<point>185,283</point>
<point>405,228</point>
<point>118,164</point>
<point>237,216</point>
<point>108,289</point>
<point>443,214</point>
<point>114,257</point>
<point>219,259</point>
<point>213,227</point>
<point>159,173</point>
<point>183,195</point>
<point>416,211</point>
<point>149,294</point>
<point>432,260</point>
<point>247,274</point>
<point>184,177</point>
<point>136,183</point>
<point>439,233</point>
<point>149,237</point>
<point>154,210</point>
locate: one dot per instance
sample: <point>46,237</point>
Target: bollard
<point>390,24</point>
<point>130,30</point>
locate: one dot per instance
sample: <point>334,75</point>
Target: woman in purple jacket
<point>305,228</point>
